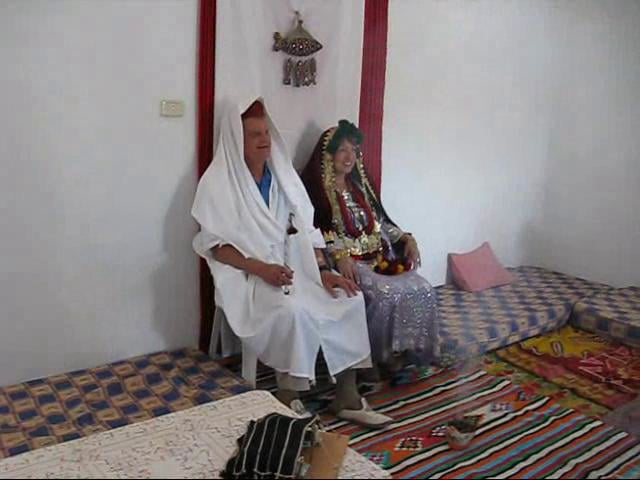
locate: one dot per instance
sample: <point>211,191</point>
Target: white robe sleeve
<point>317,240</point>
<point>203,242</point>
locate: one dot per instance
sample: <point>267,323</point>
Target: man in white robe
<point>277,293</point>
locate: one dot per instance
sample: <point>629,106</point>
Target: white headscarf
<point>228,205</point>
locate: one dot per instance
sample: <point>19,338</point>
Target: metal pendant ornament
<point>300,72</point>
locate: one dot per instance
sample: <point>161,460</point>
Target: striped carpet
<point>519,436</point>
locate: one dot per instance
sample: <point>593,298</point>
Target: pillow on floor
<point>478,270</point>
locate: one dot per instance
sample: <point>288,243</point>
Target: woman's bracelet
<point>340,254</point>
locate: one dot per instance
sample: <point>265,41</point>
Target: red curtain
<point>374,65</point>
<point>206,85</point>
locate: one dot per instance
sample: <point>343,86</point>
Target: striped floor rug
<point>519,436</point>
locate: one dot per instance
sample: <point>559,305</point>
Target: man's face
<point>257,140</point>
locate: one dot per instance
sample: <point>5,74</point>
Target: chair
<point>222,334</point>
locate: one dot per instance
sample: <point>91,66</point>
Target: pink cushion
<point>478,270</point>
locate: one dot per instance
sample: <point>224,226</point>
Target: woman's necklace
<point>342,187</point>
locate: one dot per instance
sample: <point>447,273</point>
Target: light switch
<point>172,108</point>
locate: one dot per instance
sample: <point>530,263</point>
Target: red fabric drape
<point>374,65</point>
<point>206,84</point>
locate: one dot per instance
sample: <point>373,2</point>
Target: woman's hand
<point>411,251</point>
<point>274,274</point>
<point>331,281</point>
<point>347,268</point>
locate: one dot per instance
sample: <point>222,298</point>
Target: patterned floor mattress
<point>614,314</point>
<point>65,407</point>
<point>538,301</point>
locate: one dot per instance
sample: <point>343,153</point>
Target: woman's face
<point>345,158</point>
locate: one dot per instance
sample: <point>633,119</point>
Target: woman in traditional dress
<point>367,247</point>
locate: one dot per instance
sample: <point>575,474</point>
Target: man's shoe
<point>298,407</point>
<point>366,416</point>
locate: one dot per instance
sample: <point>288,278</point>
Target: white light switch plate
<point>172,108</point>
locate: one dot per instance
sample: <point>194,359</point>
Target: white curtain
<point>247,66</point>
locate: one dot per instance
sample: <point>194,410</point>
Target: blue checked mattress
<point>614,314</point>
<point>538,301</point>
<point>65,407</point>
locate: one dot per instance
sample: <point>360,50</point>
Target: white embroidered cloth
<point>193,443</point>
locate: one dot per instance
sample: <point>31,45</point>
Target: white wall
<point>465,125</point>
<point>515,122</point>
<point>246,65</point>
<point>590,216</point>
<point>96,187</point>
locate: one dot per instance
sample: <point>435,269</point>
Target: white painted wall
<point>589,222</point>
<point>247,67</point>
<point>96,187</point>
<point>516,122</point>
<point>465,125</point>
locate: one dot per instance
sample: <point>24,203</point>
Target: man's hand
<point>274,274</point>
<point>347,268</point>
<point>331,281</point>
<point>411,251</point>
